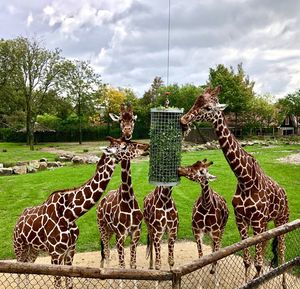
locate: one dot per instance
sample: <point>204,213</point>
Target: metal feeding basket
<point>165,146</point>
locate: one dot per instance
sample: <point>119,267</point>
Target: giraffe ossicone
<point>127,119</point>
<point>258,199</point>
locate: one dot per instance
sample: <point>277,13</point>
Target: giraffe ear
<point>217,90</point>
<point>134,117</point>
<point>220,106</point>
<point>114,117</point>
<point>207,90</point>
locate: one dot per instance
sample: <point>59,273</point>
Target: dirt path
<point>291,159</point>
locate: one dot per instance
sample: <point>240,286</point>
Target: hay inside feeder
<point>165,146</point>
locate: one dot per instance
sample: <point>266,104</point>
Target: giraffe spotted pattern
<point>258,198</point>
<point>51,226</point>
<point>118,213</point>
<point>210,211</point>
<point>161,216</point>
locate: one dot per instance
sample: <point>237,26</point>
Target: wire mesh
<point>165,146</point>
<point>230,272</point>
<point>33,281</point>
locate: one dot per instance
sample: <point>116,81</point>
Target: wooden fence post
<point>176,280</point>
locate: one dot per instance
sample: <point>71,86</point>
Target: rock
<point>66,157</point>
<point>34,163</point>
<point>54,164</point>
<point>6,171</point>
<point>42,166</point>
<point>1,166</point>
<point>22,163</point>
<point>20,170</point>
<point>43,160</point>
<point>92,159</point>
<point>78,160</point>
<point>31,169</point>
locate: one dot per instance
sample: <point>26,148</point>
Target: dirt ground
<point>185,251</point>
<point>292,159</point>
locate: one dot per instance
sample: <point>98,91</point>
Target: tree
<point>31,75</point>
<point>237,89</point>
<point>262,113</point>
<point>79,83</point>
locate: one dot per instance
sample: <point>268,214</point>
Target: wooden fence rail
<point>135,274</point>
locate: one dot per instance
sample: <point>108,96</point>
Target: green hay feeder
<point>165,146</point>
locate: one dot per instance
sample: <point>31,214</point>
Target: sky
<point>126,41</point>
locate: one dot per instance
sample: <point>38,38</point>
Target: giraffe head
<point>126,119</point>
<point>125,150</point>
<point>205,108</point>
<point>198,172</point>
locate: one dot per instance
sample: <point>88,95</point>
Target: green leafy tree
<point>30,77</point>
<point>237,89</point>
<point>79,83</point>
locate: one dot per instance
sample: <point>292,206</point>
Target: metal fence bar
<point>224,252</point>
<point>255,283</point>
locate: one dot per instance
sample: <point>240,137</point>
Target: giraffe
<point>126,119</point>
<point>210,211</point>
<point>51,226</point>
<point>118,213</point>
<point>161,216</point>
<point>258,199</point>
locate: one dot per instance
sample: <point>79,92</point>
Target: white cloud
<point>126,40</point>
<point>29,19</point>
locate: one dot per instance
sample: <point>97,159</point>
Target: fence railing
<point>196,274</point>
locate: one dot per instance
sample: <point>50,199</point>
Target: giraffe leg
<point>259,249</point>
<point>135,238</point>
<point>104,240</point>
<point>171,241</point>
<point>281,251</point>
<point>57,259</point>
<point>243,230</point>
<point>120,247</point>
<point>156,242</point>
<point>198,237</point>
<point>69,261</point>
<point>216,247</point>
<point>150,236</point>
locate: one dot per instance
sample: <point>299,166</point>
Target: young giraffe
<point>126,119</point>
<point>210,212</point>
<point>118,212</point>
<point>161,216</point>
<point>51,226</point>
<point>258,199</point>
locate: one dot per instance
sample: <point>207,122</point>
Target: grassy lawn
<point>19,192</point>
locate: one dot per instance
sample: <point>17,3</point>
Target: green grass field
<point>19,192</point>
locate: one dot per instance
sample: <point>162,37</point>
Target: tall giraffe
<point>126,120</point>
<point>161,216</point>
<point>210,212</point>
<point>118,212</point>
<point>51,226</point>
<point>258,198</point>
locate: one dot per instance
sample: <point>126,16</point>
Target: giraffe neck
<point>165,193</point>
<point>238,159</point>
<point>206,193</point>
<point>79,201</point>
<point>126,186</point>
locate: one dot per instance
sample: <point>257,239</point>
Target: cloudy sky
<point>126,40</point>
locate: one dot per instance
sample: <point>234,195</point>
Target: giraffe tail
<point>274,261</point>
<point>148,246</point>
<point>102,250</point>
